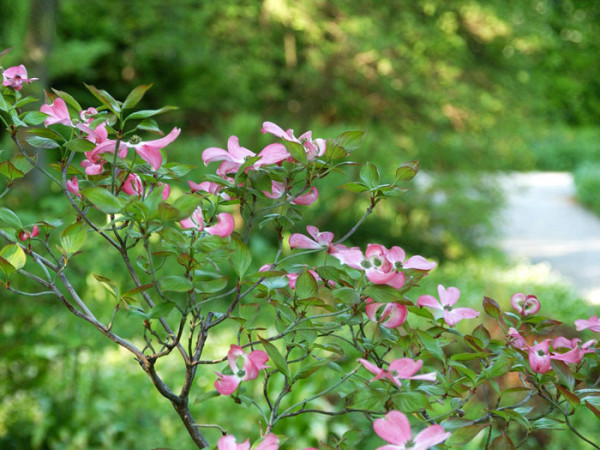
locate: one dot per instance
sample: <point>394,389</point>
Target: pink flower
<point>73,186</point>
<point>350,256</point>
<point>269,442</point>
<point>15,77</point>
<point>392,316</point>
<point>235,156</point>
<point>278,190</point>
<point>166,190</point>
<point>397,256</point>
<point>223,228</point>
<point>133,185</point>
<point>448,298</point>
<point>149,151</point>
<point>87,115</point>
<point>576,351</point>
<point>516,340</point>
<point>25,235</point>
<point>58,113</point>
<point>400,369</point>
<point>252,364</point>
<point>593,323</point>
<point>228,442</point>
<point>526,305</point>
<point>210,187</point>
<point>319,239</point>
<point>312,147</point>
<point>539,357</point>
<point>395,429</point>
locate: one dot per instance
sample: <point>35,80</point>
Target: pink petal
<point>593,323</point>
<point>300,241</point>
<point>270,442</point>
<point>404,368</point>
<point>394,429</point>
<point>396,255</point>
<point>517,340</point>
<point>308,198</point>
<point>455,315</point>
<point>236,152</point>
<point>166,190</point>
<point>540,363</point>
<point>224,227</point>
<point>228,442</point>
<point>397,281</point>
<point>194,221</point>
<point>226,384</point>
<point>277,190</point>
<point>419,263</point>
<point>271,154</point>
<point>430,436</point>
<point>352,257</point>
<point>448,297</point>
<point>73,186</point>
<point>133,185</point>
<point>378,372</point>
<point>324,237</point>
<point>255,362</point>
<point>429,301</point>
<point>212,154</point>
<point>35,231</point>
<point>270,127</point>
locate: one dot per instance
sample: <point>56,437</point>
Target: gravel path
<point>543,223</point>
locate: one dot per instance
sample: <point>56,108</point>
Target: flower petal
<point>394,428</point>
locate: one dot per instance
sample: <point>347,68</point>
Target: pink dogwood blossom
<point>448,298</point>
<point>278,190</point>
<point>253,362</point>
<point>576,350</point>
<point>228,442</point>
<point>25,235</point>
<point>15,76</point>
<point>593,323</point>
<point>526,305</point>
<point>73,186</point>
<point>149,151</point>
<point>223,228</point>
<point>392,316</point>
<point>210,187</point>
<point>319,239</point>
<point>133,185</point>
<point>395,429</point>
<point>235,156</point>
<point>399,369</point>
<point>313,148</point>
<point>539,357</point>
<point>57,112</point>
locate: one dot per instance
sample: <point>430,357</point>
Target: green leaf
<point>212,286</point>
<point>10,219</point>
<point>308,369</point>
<point>73,237</point>
<point>431,345</point>
<point>306,285</point>
<point>410,401</point>
<point>276,357</point>
<point>175,283</point>
<point>3,105</point>
<point>369,174</point>
<point>105,98</point>
<point>14,255</point>
<point>482,334</point>
<point>161,309</point>
<point>564,373</point>
<point>10,171</point>
<point>349,296</point>
<point>144,114</point>
<point>135,96</point>
<point>382,293</point>
<point>137,290</point>
<point>491,307</point>
<point>69,100</point>
<point>102,199</point>
<point>108,284</point>
<point>502,442</point>
<point>34,117</point>
<point>297,151</point>
<point>241,257</point>
<point>350,140</point>
<point>41,142</point>
<point>149,125</point>
<point>354,187</point>
<point>407,171</point>
<point>80,145</point>
<point>186,204</point>
<point>501,366</point>
<point>206,396</point>
<point>6,268</point>
<point>46,133</point>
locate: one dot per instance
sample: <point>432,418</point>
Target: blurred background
<point>469,88</point>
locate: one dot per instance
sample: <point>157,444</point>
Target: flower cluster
<point>253,362</point>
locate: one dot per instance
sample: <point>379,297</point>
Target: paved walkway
<point>543,223</point>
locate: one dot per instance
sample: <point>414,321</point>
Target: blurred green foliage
<point>460,86</point>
